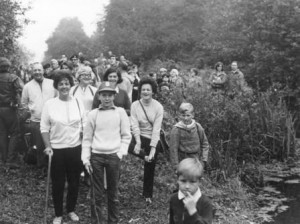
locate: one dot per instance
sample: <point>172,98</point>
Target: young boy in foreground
<point>189,205</point>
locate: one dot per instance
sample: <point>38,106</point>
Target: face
<point>186,117</point>
<point>165,79</point>
<point>113,60</point>
<point>113,77</point>
<point>234,66</point>
<point>85,78</point>
<point>146,92</point>
<point>64,66</point>
<point>37,72</point>
<point>54,64</point>
<point>106,99</point>
<point>64,87</point>
<point>219,68</point>
<point>173,73</point>
<point>75,61</point>
<point>188,185</point>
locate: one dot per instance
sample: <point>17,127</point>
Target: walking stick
<point>47,188</point>
<point>93,199</point>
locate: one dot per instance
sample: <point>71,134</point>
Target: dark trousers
<point>149,168</point>
<point>37,140</point>
<point>111,163</point>
<point>8,127</point>
<point>66,165</point>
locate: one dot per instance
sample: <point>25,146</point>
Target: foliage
<point>68,38</point>
<point>242,128</point>
<point>12,20</point>
<point>262,34</point>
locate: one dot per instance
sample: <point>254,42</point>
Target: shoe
<point>73,216</point>
<point>57,220</point>
<point>148,200</point>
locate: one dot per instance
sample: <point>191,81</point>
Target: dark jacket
<point>179,215</point>
<point>10,89</point>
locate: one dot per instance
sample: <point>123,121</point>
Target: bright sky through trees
<point>46,15</point>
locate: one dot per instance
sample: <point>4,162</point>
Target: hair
<point>68,64</point>
<point>190,168</point>
<point>234,62</point>
<point>47,65</point>
<point>165,75</point>
<point>123,66</point>
<point>112,70</point>
<point>150,81</point>
<point>195,71</point>
<point>218,64</point>
<point>186,107</point>
<point>60,75</point>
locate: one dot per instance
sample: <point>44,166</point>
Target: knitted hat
<point>4,62</point>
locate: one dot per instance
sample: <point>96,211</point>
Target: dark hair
<point>45,66</point>
<point>195,71</point>
<point>112,70</point>
<point>60,75</point>
<point>150,81</point>
<point>123,66</point>
<point>68,64</point>
<point>218,64</point>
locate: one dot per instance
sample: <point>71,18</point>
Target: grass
<point>22,197</point>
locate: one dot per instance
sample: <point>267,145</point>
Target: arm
<point>171,220</point>
<point>88,135</point>
<point>45,129</point>
<point>135,128</point>
<point>174,146</point>
<point>127,104</point>
<point>125,133</point>
<point>157,126</point>
<point>203,215</point>
<point>204,145</point>
<point>25,97</point>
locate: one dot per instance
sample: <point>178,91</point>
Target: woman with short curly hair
<point>146,121</point>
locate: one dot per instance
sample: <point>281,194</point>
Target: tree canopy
<point>68,38</point>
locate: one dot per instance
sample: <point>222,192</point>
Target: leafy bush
<point>243,128</point>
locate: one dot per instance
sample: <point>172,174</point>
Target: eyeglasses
<point>86,75</point>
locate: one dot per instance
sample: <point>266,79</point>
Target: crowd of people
<point>87,117</point>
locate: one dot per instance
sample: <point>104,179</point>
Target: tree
<point>68,38</point>
<point>12,20</point>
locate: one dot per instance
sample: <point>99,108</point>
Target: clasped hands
<point>148,158</point>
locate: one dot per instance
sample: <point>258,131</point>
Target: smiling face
<point>37,72</point>
<point>188,185</point>
<point>107,99</point>
<point>146,92</point>
<point>85,78</point>
<point>64,87</point>
<point>113,77</point>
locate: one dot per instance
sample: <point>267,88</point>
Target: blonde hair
<point>190,168</point>
<point>186,107</point>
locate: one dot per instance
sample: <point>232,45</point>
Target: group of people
<point>92,124</point>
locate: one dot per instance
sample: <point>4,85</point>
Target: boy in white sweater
<point>106,138</point>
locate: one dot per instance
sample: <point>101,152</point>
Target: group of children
<point>188,145</point>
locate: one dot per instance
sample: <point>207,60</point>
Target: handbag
<point>141,154</point>
<point>162,136</point>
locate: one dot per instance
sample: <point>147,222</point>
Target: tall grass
<point>247,127</point>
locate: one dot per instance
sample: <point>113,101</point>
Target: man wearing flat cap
<point>10,95</point>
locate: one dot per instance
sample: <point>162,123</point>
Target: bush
<point>246,127</point>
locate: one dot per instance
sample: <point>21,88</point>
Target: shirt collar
<point>110,108</point>
<point>196,196</point>
<point>117,89</point>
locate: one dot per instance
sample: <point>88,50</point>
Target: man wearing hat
<point>10,92</point>
<point>106,139</point>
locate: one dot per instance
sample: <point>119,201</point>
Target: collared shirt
<point>35,95</point>
<point>195,197</point>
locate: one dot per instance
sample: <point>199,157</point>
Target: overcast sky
<point>46,15</point>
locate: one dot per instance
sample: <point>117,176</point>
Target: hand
<point>88,167</point>
<point>151,155</point>
<point>48,151</point>
<point>190,204</point>
<point>137,148</point>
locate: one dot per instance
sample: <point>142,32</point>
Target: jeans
<point>66,164</point>
<point>37,140</point>
<point>149,168</point>
<point>8,127</point>
<point>111,163</point>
